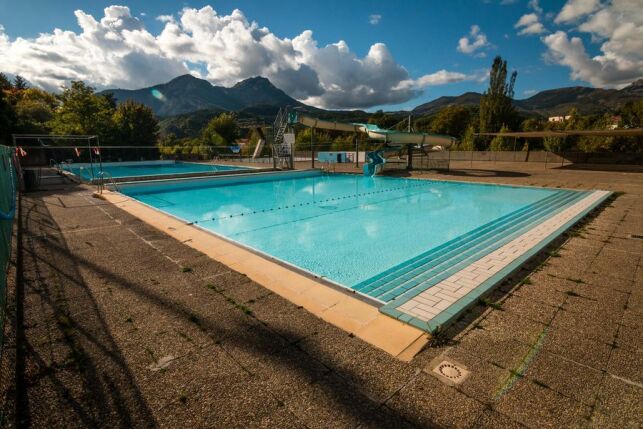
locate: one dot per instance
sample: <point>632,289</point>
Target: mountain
<point>432,107</point>
<point>551,102</point>
<point>187,93</point>
<point>257,97</point>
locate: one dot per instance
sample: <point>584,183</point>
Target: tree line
<point>78,109</point>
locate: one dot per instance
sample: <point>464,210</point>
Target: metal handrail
<point>102,175</point>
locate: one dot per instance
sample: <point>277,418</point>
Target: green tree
<point>468,141</point>
<point>302,139</point>
<point>502,143</point>
<point>221,130</point>
<point>7,119</point>
<point>452,120</point>
<point>5,83</point>
<point>20,83</point>
<point>34,109</point>
<point>135,124</point>
<point>496,108</point>
<point>632,114</point>
<point>81,111</point>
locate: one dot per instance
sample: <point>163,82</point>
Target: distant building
<point>558,118</point>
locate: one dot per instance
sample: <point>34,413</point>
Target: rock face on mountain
<point>187,93</point>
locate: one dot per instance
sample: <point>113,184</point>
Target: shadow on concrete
<point>92,383</point>
<point>87,339</point>
<point>624,168</point>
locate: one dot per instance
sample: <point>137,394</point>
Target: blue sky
<point>421,36</point>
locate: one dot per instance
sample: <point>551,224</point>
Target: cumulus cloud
<point>374,19</point>
<point>618,26</point>
<point>475,41</point>
<point>443,77</point>
<point>575,9</point>
<point>113,51</point>
<point>118,51</point>
<point>529,24</point>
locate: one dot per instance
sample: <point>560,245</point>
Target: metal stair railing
<point>281,152</point>
<point>102,176</point>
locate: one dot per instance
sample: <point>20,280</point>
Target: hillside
<point>432,107</point>
<point>551,102</point>
<point>187,93</point>
<point>185,104</point>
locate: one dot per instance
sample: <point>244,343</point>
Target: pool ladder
<point>328,167</point>
<point>102,176</point>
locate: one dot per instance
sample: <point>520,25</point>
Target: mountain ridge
<point>550,102</point>
<point>186,94</point>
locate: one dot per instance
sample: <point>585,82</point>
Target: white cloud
<point>533,5</point>
<point>165,18</point>
<point>374,19</point>
<point>441,77</point>
<point>618,26</point>
<point>476,40</point>
<point>529,24</point>
<point>118,51</point>
<point>575,9</point>
<point>529,92</point>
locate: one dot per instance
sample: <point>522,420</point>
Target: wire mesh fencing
<point>8,189</point>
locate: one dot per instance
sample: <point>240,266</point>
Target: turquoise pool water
<point>345,228</point>
<point>139,169</point>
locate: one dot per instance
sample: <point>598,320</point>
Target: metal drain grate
<point>450,372</point>
<point>636,236</point>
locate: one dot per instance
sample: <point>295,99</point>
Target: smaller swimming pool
<point>138,169</point>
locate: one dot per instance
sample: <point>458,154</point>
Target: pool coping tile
<point>445,317</point>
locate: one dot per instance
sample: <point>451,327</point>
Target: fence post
<point>312,148</point>
<point>546,156</point>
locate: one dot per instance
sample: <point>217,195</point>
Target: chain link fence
<point>8,189</point>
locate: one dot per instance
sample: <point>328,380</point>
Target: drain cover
<point>450,372</point>
<point>637,236</point>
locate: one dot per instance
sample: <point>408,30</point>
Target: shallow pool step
<point>430,267</point>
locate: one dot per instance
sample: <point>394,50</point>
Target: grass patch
<point>554,254</point>
<point>183,398</point>
<point>571,293</point>
<point>186,270</point>
<point>525,281</point>
<point>241,307</point>
<point>129,320</point>
<point>491,304</point>
<point>571,279</point>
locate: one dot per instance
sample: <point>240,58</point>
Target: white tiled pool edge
<point>435,301</point>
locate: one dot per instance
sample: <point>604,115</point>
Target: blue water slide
<point>375,163</point>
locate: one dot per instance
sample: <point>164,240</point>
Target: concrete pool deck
<point>336,307</point>
<point>118,324</point>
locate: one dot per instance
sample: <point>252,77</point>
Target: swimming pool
<point>119,170</point>
<point>387,239</point>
